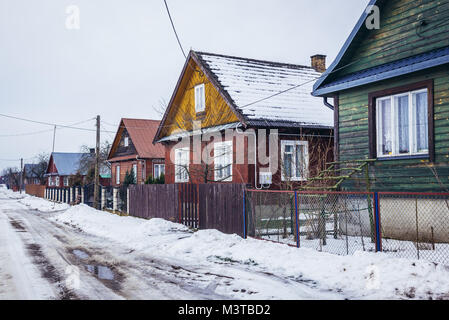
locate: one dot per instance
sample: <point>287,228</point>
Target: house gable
<point>118,148</point>
<point>181,113</point>
<point>51,168</point>
<point>408,28</point>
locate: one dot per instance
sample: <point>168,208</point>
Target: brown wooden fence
<point>35,190</point>
<point>202,206</point>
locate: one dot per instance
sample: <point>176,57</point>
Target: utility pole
<point>54,137</point>
<point>97,168</point>
<point>21,175</point>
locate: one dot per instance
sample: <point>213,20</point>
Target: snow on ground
<point>32,202</point>
<point>362,275</point>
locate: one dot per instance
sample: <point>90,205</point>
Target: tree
<point>39,170</point>
<point>87,162</point>
<point>160,180</point>
<point>12,175</point>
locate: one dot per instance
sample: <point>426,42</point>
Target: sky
<point>124,60</point>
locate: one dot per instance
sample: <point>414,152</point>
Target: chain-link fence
<point>415,225</point>
<point>406,225</point>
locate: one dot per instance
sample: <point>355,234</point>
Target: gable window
<point>200,98</point>
<point>126,141</point>
<point>159,170</point>
<point>295,160</point>
<point>402,124</point>
<point>223,161</point>
<point>182,164</point>
<point>117,175</point>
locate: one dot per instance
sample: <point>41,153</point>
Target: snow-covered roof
<point>246,81</point>
<point>68,164</point>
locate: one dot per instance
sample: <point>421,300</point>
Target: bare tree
<point>87,162</point>
<point>40,168</point>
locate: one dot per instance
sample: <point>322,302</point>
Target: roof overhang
<point>183,134</point>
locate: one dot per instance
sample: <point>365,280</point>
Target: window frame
<point>373,98</point>
<point>126,141</point>
<point>159,165</point>
<point>65,181</point>
<point>295,143</point>
<point>229,164</point>
<point>200,87</point>
<point>187,176</point>
<point>117,174</point>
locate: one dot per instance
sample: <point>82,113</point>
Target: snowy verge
<point>32,202</point>
<point>360,276</point>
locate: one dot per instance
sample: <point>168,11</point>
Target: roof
<point>28,169</point>
<point>247,81</point>
<point>388,70</point>
<point>68,164</point>
<point>261,91</point>
<point>141,132</point>
<point>355,32</point>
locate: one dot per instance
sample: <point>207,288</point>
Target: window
<point>200,98</point>
<point>126,141</point>
<point>159,169</point>
<point>295,160</point>
<point>57,181</point>
<point>66,181</point>
<point>117,175</point>
<point>135,172</point>
<point>182,164</point>
<point>223,161</point>
<point>50,181</point>
<point>402,124</point>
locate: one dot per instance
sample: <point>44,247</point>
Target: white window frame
<point>57,181</point>
<point>182,159</point>
<point>294,144</point>
<point>200,98</point>
<point>66,181</point>
<point>135,172</point>
<point>223,160</point>
<point>394,128</point>
<point>126,141</point>
<point>117,174</point>
<point>159,171</point>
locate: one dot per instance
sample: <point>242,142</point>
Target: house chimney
<point>319,62</point>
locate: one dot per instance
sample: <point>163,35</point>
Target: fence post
<point>377,222</point>
<point>103,198</point>
<point>114,199</point>
<point>127,200</point>
<point>82,194</point>
<point>244,214</point>
<point>297,221</point>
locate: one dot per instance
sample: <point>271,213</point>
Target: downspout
<point>255,156</point>
<point>327,104</point>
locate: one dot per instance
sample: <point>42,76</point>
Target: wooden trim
<point>427,84</point>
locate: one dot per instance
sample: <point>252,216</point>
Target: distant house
<point>217,93</point>
<point>30,175</point>
<point>133,150</point>
<point>391,95</point>
<point>64,166</point>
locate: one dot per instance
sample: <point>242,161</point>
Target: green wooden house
<point>391,96</point>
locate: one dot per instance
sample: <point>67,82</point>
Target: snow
<point>362,275</point>
<point>248,81</point>
<point>268,270</point>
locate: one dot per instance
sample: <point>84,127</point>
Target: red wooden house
<point>216,94</point>
<point>133,150</point>
<point>64,166</point>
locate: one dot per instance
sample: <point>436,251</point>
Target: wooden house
<point>217,94</point>
<point>391,95</point>
<point>30,174</point>
<point>133,150</point>
<point>62,167</point>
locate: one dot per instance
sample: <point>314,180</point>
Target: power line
<point>42,131</point>
<point>174,30</point>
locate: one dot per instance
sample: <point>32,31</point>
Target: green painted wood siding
<point>399,35</point>
<point>397,175</point>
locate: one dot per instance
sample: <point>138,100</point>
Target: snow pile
<point>9,194</point>
<point>42,205</point>
<point>362,275</point>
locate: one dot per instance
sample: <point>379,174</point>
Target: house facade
<point>30,174</point>
<point>133,151</point>
<point>227,123</point>
<point>63,168</point>
<point>391,96</point>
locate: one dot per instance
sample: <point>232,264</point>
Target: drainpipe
<point>327,104</point>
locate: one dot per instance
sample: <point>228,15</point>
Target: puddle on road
<point>102,272</point>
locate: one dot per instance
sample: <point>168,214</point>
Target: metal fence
<point>411,225</point>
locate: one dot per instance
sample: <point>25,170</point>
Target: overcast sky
<point>124,60</point>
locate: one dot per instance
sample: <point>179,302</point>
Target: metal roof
<point>387,71</point>
<point>68,164</point>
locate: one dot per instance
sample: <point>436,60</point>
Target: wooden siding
<point>183,112</point>
<point>397,175</point>
<point>400,34</point>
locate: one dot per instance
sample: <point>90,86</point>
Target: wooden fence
<point>35,190</point>
<point>202,206</point>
